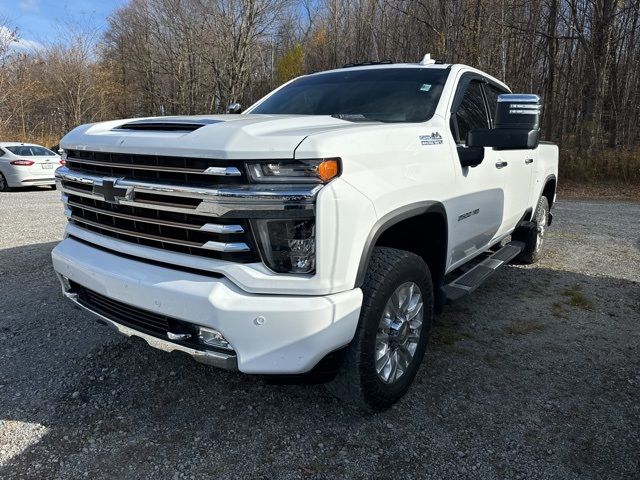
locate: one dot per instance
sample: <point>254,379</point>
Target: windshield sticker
<point>425,87</point>
<point>434,138</point>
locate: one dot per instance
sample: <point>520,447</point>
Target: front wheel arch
<point>389,231</point>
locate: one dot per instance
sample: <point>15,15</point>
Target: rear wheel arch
<point>420,228</point>
<point>549,189</point>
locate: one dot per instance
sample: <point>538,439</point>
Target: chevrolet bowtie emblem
<point>111,192</point>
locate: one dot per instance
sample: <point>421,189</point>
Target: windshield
<point>384,95</point>
<point>30,151</point>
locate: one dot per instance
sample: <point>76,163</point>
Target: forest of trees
<point>165,57</point>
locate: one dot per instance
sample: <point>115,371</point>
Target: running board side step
<point>473,278</point>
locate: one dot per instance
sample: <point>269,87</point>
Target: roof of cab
<point>454,67</point>
<point>382,65</point>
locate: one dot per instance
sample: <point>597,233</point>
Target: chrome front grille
<point>178,232</point>
<point>198,219</point>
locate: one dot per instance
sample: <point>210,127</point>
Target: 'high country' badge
<point>432,139</point>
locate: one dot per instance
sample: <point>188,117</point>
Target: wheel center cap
<point>399,331</point>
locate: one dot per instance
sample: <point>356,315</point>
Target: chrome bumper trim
<point>216,359</point>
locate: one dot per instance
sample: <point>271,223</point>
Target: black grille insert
<point>168,169</point>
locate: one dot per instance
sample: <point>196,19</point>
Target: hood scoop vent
<point>166,125</point>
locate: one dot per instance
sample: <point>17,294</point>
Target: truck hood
<point>211,136</point>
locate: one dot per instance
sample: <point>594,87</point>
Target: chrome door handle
<point>527,161</point>
<point>501,164</point>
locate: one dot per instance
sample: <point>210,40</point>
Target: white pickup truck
<point>318,231</point>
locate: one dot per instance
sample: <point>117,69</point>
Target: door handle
<point>501,164</point>
<point>527,161</point>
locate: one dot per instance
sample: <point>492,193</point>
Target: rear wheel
<point>385,354</point>
<point>4,186</point>
<point>533,234</point>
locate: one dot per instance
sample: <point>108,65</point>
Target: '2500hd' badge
<point>434,138</point>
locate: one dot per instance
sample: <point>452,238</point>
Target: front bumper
<point>208,357</point>
<point>270,334</point>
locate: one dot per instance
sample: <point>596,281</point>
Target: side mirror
<point>234,108</point>
<point>516,126</point>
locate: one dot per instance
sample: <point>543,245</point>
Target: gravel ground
<point>537,375</point>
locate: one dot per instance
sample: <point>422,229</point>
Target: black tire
<point>357,381</point>
<point>4,186</point>
<point>533,234</point>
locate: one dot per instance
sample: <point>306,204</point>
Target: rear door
<point>518,169</point>
<point>478,202</point>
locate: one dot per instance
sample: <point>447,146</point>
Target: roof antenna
<point>427,60</point>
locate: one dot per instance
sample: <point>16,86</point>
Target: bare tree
<point>161,57</point>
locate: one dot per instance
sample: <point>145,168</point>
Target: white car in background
<point>26,164</point>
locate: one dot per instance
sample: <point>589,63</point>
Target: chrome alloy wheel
<point>399,332</point>
<point>541,223</point>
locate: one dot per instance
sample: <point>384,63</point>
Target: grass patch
<point>524,327</point>
<point>615,167</point>
<point>577,299</point>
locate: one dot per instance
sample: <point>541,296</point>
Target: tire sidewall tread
<point>357,382</point>
<point>529,255</point>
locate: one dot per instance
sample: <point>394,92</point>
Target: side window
<point>492,99</point>
<point>472,112</point>
<point>1,152</point>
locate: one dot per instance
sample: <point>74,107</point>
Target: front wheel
<point>395,320</point>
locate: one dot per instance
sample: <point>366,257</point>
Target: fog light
<point>213,338</point>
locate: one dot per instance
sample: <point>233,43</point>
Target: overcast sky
<point>39,21</point>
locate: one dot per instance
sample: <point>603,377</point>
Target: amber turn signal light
<point>328,169</point>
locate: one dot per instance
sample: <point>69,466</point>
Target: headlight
<point>287,245</point>
<point>295,171</point>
